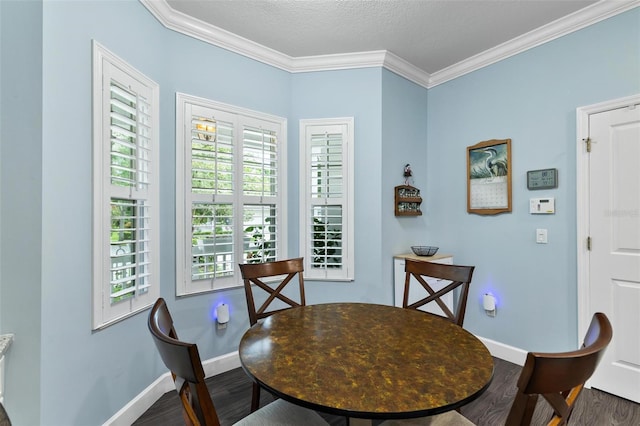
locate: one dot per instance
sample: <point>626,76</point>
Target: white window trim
<point>184,284</point>
<point>103,313</point>
<point>348,272</point>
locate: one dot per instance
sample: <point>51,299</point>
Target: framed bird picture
<point>489,177</point>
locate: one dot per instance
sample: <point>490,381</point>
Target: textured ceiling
<point>429,34</point>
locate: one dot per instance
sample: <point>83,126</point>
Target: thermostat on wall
<point>542,179</point>
<point>542,205</point>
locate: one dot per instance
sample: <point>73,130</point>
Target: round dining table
<point>366,361</point>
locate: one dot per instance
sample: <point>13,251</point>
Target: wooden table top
<point>366,360</point>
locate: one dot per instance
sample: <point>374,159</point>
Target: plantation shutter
<point>211,174</point>
<point>326,183</point>
<point>125,187</point>
<point>260,183</point>
<point>326,194</point>
<point>130,164</point>
<point>259,162</point>
<point>229,188</point>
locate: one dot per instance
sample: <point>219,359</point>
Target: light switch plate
<point>541,236</point>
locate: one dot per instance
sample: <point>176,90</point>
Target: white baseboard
<point>505,352</point>
<point>163,384</point>
<point>221,364</point>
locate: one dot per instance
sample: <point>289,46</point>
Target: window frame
<point>307,127</point>
<point>107,67</point>
<point>240,117</point>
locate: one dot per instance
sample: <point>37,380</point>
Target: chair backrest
<point>460,276</point>
<point>559,377</point>
<point>254,273</point>
<point>183,360</point>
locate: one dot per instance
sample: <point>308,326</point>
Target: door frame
<point>582,202</point>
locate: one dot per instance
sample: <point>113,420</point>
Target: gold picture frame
<point>489,177</point>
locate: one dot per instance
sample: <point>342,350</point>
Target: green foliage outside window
<point>261,248</point>
<point>123,258</point>
<point>327,245</point>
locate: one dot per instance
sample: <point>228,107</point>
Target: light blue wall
<point>404,137</point>
<point>1,138</point>
<point>104,370</point>
<point>351,93</point>
<point>532,99</point>
<point>45,298</point>
<point>21,193</point>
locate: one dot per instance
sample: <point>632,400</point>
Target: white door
<point>614,258</point>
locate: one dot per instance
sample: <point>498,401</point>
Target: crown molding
<point>208,33</point>
<point>200,30</point>
<point>582,18</point>
<point>407,70</point>
<point>377,58</point>
<point>338,61</point>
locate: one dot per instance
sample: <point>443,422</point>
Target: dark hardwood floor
<point>231,393</point>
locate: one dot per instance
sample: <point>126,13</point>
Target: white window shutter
<point>126,226</point>
<point>229,192</point>
<point>326,185</point>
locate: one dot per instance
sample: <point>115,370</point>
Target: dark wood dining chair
<point>183,360</point>
<point>258,273</point>
<point>278,275</point>
<point>460,277</point>
<point>558,377</point>
<point>4,417</point>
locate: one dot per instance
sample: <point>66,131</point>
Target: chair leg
<point>255,397</point>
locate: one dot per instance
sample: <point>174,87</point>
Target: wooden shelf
<point>407,201</point>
